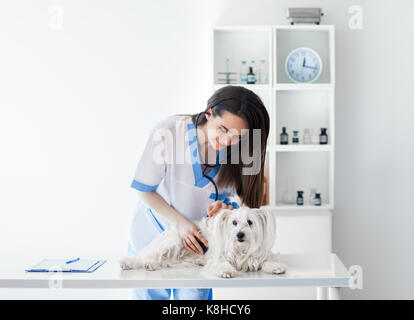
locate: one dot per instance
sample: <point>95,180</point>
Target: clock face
<point>303,65</point>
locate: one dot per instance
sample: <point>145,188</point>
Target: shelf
<point>243,28</point>
<point>304,207</point>
<point>281,86</point>
<point>247,86</point>
<point>296,106</point>
<point>232,44</point>
<point>290,208</point>
<point>302,147</point>
<point>309,27</point>
<point>302,171</point>
<point>300,110</point>
<point>303,86</point>
<point>318,38</point>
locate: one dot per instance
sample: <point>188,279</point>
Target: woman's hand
<point>216,206</point>
<point>189,233</point>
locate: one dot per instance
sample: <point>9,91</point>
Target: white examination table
<point>325,272</point>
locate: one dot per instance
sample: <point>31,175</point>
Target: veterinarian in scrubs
<point>186,172</point>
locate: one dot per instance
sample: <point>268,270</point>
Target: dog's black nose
<point>240,235</point>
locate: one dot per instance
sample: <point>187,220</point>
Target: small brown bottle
<point>323,137</point>
<point>284,137</point>
<point>251,77</point>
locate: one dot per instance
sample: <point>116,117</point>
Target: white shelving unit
<point>296,106</point>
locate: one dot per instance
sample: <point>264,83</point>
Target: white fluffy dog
<point>238,240</point>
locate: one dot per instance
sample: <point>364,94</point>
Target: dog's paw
<point>152,266</point>
<point>229,273</point>
<point>274,267</point>
<point>278,268</point>
<point>127,263</point>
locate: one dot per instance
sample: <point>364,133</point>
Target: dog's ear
<point>225,214</point>
<point>269,225</point>
<point>221,220</point>
<point>219,230</point>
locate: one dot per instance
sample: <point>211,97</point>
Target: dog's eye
<point>235,222</point>
<point>249,222</point>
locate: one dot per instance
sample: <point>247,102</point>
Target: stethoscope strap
<point>211,180</point>
<point>214,184</point>
<point>208,165</point>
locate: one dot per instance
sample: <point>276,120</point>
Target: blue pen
<point>74,260</point>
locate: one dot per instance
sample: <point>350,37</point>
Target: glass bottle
<point>317,201</point>
<point>323,137</point>
<point>312,195</point>
<point>306,136</point>
<point>251,77</point>
<point>284,137</point>
<point>262,72</point>
<point>254,66</point>
<point>315,137</point>
<point>295,138</point>
<point>243,71</point>
<point>299,198</point>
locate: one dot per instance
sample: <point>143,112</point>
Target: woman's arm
<point>186,229</point>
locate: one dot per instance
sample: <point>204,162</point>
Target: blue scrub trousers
<point>144,229</point>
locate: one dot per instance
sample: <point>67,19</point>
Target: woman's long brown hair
<point>244,103</point>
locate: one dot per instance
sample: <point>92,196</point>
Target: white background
<point>76,105</point>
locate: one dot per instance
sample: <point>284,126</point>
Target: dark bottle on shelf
<point>323,137</point>
<point>299,198</point>
<point>284,137</point>
<point>295,138</point>
<point>251,77</point>
<point>317,201</point>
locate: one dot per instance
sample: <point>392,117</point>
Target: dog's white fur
<point>226,255</point>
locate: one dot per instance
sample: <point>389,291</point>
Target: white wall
<point>76,105</point>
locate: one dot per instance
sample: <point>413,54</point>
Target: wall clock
<point>303,65</point>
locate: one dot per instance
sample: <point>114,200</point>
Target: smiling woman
<point>173,194</point>
<point>230,111</point>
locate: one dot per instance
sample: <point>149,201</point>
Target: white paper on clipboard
<point>56,265</point>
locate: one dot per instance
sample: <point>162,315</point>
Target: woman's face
<point>224,130</point>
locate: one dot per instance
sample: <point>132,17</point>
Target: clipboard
<point>60,265</point>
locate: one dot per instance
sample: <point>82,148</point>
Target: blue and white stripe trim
<point>142,186</point>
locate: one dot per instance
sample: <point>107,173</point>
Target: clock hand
<point>304,61</point>
<point>310,67</point>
